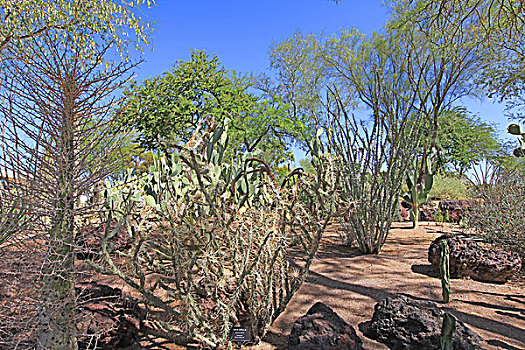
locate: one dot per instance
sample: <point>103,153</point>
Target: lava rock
<point>404,210</point>
<point>469,259</point>
<point>405,323</point>
<point>104,318</point>
<point>455,209</point>
<point>89,240</point>
<point>428,214</point>
<point>322,329</point>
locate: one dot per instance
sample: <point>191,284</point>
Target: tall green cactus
<point>447,330</point>
<point>445,270</point>
<point>417,194</point>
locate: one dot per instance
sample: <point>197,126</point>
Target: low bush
<point>449,187</point>
<point>499,212</point>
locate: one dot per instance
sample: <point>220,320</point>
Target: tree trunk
<point>57,314</point>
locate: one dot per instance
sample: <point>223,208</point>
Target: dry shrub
<point>211,240</point>
<point>499,214</point>
<point>449,187</point>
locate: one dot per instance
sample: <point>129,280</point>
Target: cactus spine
<point>445,271</point>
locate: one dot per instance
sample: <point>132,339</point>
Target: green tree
<point>300,78</point>
<point>397,78</point>
<point>496,31</point>
<point>464,140</point>
<point>168,110</point>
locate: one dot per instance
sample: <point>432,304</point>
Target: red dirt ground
<point>348,282</point>
<point>352,284</point>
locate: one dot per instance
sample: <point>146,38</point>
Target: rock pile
<point>404,210</point>
<point>428,214</point>
<point>322,329</point>
<point>454,210</point>
<point>469,259</point>
<point>405,323</point>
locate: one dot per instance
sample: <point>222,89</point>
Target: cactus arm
<point>417,194</point>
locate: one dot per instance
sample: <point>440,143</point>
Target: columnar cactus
<point>447,330</point>
<point>444,269</point>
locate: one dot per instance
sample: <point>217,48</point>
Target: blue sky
<point>241,33</point>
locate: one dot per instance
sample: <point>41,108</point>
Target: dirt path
<point>352,284</point>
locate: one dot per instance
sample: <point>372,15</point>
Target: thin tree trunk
<point>415,215</point>
<point>57,314</point>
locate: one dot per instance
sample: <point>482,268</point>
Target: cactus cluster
<point>211,238</point>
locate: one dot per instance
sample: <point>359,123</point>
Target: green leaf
<point>422,198</point>
<point>209,151</point>
<point>429,181</point>
<point>150,200</point>
<point>409,182</point>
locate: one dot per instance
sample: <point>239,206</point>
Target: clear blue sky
<point>241,32</point>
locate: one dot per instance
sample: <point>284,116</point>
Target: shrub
<point>499,213</point>
<point>372,175</point>
<point>211,239</point>
<point>449,187</point>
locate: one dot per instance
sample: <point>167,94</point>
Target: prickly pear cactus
<point>517,130</point>
<point>417,194</point>
<point>211,238</point>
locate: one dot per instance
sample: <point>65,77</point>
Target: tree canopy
<point>84,20</point>
<point>464,140</point>
<point>199,93</point>
<point>496,32</point>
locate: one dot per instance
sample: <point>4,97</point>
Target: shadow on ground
<point>426,270</point>
<point>502,345</point>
